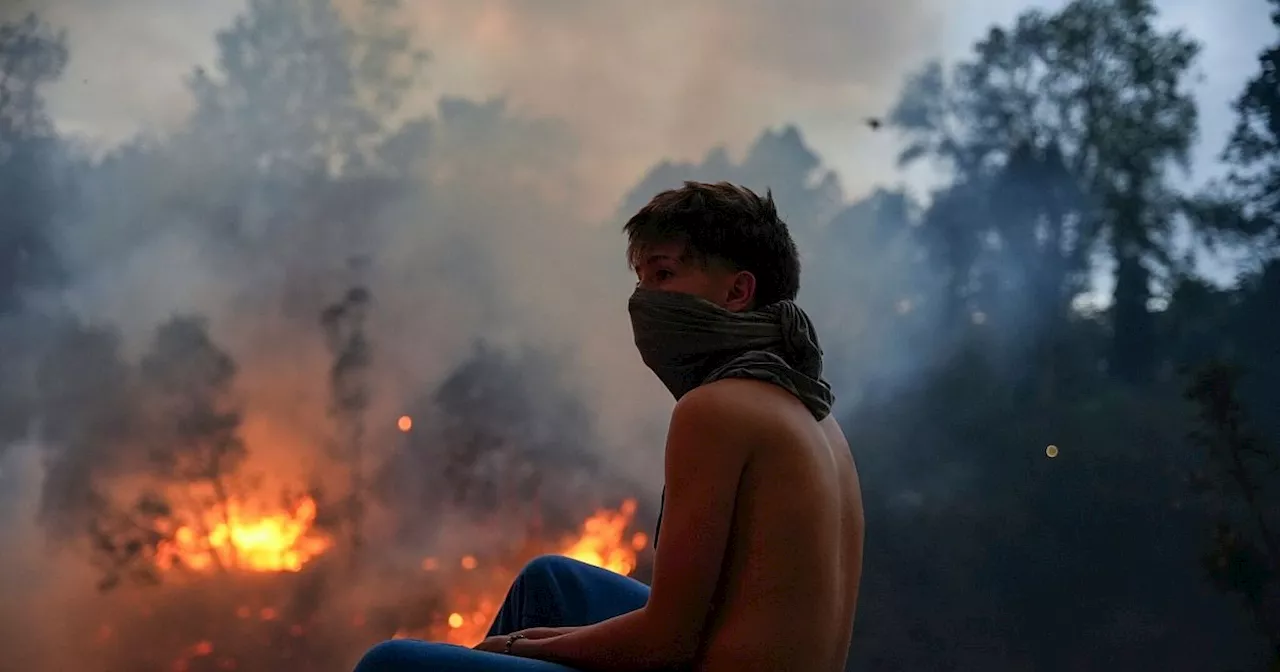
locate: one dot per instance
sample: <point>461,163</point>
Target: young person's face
<point>667,268</point>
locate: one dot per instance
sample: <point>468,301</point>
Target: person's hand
<point>498,644</point>
<point>544,633</point>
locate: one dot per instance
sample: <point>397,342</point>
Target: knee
<point>546,566</point>
<point>390,656</point>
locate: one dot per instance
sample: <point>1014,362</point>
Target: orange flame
<point>280,542</point>
<point>603,541</point>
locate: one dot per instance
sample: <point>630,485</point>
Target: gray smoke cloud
<point>635,82</point>
<point>514,160</point>
<point>590,96</point>
<point>490,214</point>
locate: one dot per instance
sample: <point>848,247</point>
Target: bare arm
<point>706,452</point>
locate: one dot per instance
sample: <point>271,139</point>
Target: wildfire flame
<point>283,541</point>
<point>603,541</point>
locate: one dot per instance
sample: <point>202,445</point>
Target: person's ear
<point>742,293</point>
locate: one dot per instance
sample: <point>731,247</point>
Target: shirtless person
<point>759,548</point>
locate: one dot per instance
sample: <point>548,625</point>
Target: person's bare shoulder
<point>747,405</point>
<point>734,399</point>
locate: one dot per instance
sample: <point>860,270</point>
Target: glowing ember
<point>279,542</point>
<point>405,423</point>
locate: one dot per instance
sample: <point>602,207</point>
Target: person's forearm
<point>632,641</point>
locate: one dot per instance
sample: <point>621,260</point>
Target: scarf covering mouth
<point>689,342</point>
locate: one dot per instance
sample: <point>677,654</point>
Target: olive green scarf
<point>688,341</point>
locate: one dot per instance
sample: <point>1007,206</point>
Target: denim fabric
<point>551,591</point>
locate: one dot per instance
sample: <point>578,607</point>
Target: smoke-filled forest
<point>315,368</point>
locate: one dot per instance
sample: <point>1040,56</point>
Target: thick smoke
<point>636,82</point>
<point>253,298</point>
<point>308,242</point>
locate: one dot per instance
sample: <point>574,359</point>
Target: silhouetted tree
<point>1249,203</point>
<point>1244,475</point>
<point>86,416</point>
<point>299,88</point>
<point>194,433</point>
<point>779,161</point>
<point>31,56</point>
<point>1091,97</point>
<point>501,439</point>
<point>344,324</point>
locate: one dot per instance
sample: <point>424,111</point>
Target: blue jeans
<point>550,592</point>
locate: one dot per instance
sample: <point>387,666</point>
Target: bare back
<point>789,586</point>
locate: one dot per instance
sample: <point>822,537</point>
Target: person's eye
<point>663,274</point>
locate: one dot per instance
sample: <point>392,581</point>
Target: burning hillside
<point>209,557</point>
<point>262,593</point>
<point>260,437</point>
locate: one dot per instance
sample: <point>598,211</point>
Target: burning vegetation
<point>209,556</point>
<point>235,538</point>
<point>605,540</point>
<point>237,474</point>
<point>256,594</point>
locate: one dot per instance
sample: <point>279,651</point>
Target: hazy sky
<point>637,81</point>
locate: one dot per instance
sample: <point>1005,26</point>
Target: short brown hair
<point>722,222</point>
